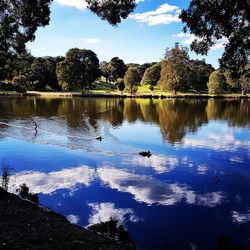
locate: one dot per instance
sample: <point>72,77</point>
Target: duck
<point>145,154</point>
<point>36,125</point>
<point>99,138</point>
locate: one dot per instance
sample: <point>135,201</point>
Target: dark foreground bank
<point>25,225</point>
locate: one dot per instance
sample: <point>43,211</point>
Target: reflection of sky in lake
<point>192,190</point>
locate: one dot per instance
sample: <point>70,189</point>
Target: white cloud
<point>187,39</point>
<point>223,141</point>
<point>92,40</point>
<point>241,218</point>
<point>74,219</point>
<point>160,163</point>
<point>164,14</point>
<point>102,212</point>
<point>150,191</point>
<point>49,182</point>
<point>79,4</point>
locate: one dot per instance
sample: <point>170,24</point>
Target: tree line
<point>80,70</point>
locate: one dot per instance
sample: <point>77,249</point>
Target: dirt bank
<point>25,225</point>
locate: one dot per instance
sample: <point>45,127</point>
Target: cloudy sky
<point>143,37</point>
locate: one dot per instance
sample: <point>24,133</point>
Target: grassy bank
<point>118,94</point>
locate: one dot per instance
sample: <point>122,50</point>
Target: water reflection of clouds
<point>224,141</point>
<point>160,163</point>
<point>74,219</point>
<point>202,169</point>
<point>241,218</point>
<point>150,191</point>
<point>49,182</point>
<point>102,212</point>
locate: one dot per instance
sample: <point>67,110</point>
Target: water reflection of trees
<point>174,117</point>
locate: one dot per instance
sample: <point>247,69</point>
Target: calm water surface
<point>194,188</point>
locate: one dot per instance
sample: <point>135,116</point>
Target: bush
<point>112,230</point>
<point>25,194</point>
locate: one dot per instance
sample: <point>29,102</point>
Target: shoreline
<point>27,225</point>
<point>125,95</point>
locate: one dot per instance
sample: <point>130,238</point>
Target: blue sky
<point>143,37</point>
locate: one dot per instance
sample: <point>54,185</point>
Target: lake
<point>192,193</point>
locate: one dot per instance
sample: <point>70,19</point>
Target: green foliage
<point>79,69</point>
<point>175,69</point>
<point>121,84</point>
<point>211,20</point>
<point>18,23</point>
<point>104,70</point>
<point>231,80</point>
<point>152,75</point>
<point>20,83</point>
<point>112,11</point>
<point>116,69</point>
<point>245,80</point>
<point>199,72</point>
<point>216,83</point>
<point>131,80</point>
<point>142,68</point>
<point>43,72</point>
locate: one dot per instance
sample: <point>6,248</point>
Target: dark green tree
<point>152,75</point>
<point>199,74</point>
<point>211,20</point>
<point>116,68</point>
<point>104,70</point>
<point>79,69</point>
<point>19,20</point>
<point>112,10</point>
<point>143,67</point>
<point>42,73</point>
<point>132,80</point>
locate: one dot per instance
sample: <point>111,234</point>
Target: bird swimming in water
<point>145,154</point>
<point>99,138</point>
<point>36,125</point>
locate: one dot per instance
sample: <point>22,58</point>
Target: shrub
<point>25,194</point>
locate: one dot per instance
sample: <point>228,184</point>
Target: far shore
<point>117,94</point>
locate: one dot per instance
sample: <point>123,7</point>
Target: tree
<point>211,20</point>
<point>244,80</point>
<point>131,79</point>
<point>231,79</point>
<point>175,69</point>
<point>116,68</point>
<point>104,70</point>
<point>121,84</point>
<point>42,73</point>
<point>152,75</point>
<point>199,74</point>
<point>79,69</point>
<point>142,68</point>
<point>216,82</point>
<point>112,11</point>
<point>20,83</point>
<point>19,20</point>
